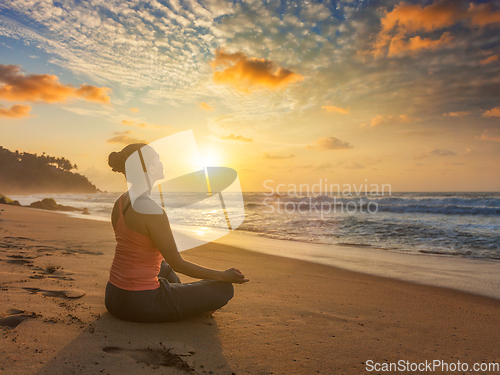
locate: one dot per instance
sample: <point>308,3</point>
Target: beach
<point>295,316</point>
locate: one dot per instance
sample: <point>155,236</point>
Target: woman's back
<point>137,261</point>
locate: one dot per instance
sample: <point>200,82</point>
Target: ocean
<point>439,224</point>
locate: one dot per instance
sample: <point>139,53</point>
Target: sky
<point>405,94</point>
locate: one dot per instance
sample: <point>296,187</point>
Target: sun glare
<point>211,159</point>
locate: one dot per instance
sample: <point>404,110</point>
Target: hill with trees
<point>25,173</point>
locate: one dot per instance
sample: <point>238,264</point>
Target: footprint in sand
<point>13,317</point>
<point>68,293</point>
<point>153,358</point>
<point>77,250</point>
<point>18,260</point>
<point>53,272</point>
<point>19,238</point>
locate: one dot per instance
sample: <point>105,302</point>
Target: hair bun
<point>116,161</point>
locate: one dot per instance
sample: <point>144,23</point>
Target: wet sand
<point>293,317</point>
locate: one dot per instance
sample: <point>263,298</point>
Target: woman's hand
<point>233,275</point>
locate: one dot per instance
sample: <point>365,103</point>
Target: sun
<point>211,159</point>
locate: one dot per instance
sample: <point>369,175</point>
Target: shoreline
<point>476,276</point>
<point>409,223</point>
<point>293,317</point>
<point>470,275</point>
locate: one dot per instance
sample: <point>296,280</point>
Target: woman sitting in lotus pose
<point>143,286</point>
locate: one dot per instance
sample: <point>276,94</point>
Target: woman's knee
<point>227,290</point>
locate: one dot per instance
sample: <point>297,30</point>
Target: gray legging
<point>170,302</point>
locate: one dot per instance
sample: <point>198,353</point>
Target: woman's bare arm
<point>159,229</point>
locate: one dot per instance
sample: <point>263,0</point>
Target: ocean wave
<point>398,205</point>
<point>450,209</point>
<point>393,200</point>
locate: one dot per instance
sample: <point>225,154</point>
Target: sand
<point>293,317</point>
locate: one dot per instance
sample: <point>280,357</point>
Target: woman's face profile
<point>157,170</point>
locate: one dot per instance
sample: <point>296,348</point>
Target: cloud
<point>44,88</point>
<point>354,165</point>
<point>331,108</point>
<point>489,60</point>
<point>86,112</point>
<point>441,152</point>
<point>490,135</point>
<point>456,114</point>
<point>134,110</point>
<point>401,119</point>
<point>483,14</point>
<point>434,152</point>
<point>205,106</point>
<point>417,43</point>
<point>277,157</point>
<point>314,11</point>
<point>329,143</point>
<point>16,111</point>
<point>324,166</point>
<point>406,19</point>
<point>494,112</point>
<point>140,124</point>
<point>245,73</point>
<point>233,137</point>
<point>421,133</point>
<point>124,138</point>
<point>133,123</point>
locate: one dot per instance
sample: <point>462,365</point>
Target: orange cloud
<point>406,19</point>
<point>494,112</point>
<point>456,114</point>
<point>124,138</point>
<point>330,143</point>
<point>44,88</point>
<point>133,123</point>
<point>489,60</point>
<point>205,106</point>
<point>331,108</point>
<point>277,157</point>
<point>134,110</point>
<point>245,73</point>
<point>16,111</point>
<point>233,137</point>
<point>483,14</point>
<point>139,124</point>
<point>379,120</point>
<point>415,44</point>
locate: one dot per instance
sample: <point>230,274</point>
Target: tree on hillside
<point>27,173</point>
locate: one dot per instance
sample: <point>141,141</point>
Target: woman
<point>143,286</point>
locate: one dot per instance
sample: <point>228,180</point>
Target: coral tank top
<point>137,261</point>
